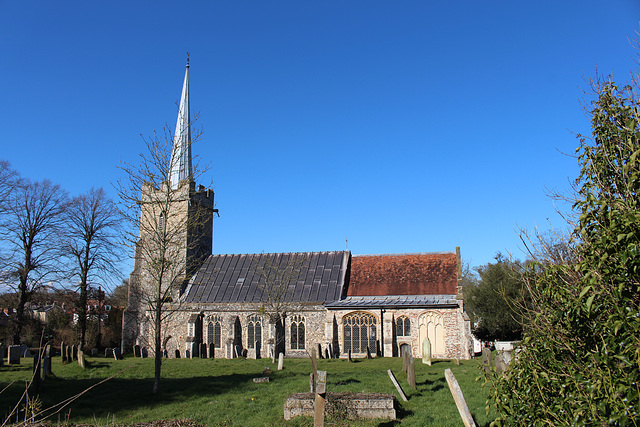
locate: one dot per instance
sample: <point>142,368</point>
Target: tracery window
<point>214,331</point>
<point>297,332</point>
<point>254,331</point>
<point>359,332</point>
<point>403,326</point>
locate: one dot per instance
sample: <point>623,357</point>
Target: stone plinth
<point>345,405</point>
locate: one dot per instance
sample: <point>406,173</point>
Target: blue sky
<point>406,126</point>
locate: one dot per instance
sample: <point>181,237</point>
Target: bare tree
<point>8,180</point>
<point>30,230</point>
<point>165,220</point>
<point>279,273</point>
<point>91,243</point>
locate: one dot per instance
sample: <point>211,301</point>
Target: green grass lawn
<point>221,392</point>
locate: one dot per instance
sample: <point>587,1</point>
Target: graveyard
<point>248,392</point>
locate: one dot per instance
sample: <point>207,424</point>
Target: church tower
<point>176,231</point>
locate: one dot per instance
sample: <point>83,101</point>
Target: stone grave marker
<point>14,355</point>
<point>212,351</point>
<point>280,361</point>
<point>397,385</point>
<point>94,352</point>
<point>144,353</point>
<point>237,350</point>
<point>108,352</point>
<point>116,353</point>
<point>458,397</point>
<point>203,351</point>
<point>501,365</point>
<point>67,350</point>
<point>411,373</point>
<point>81,359</point>
<point>350,356</point>
<point>46,361</point>
<point>25,351</point>
<point>165,354</point>
<point>426,351</point>
<point>187,354</point>
<point>74,353</point>
<point>405,361</point>
<point>320,352</point>
<point>326,353</point>
<point>177,354</point>
<point>63,352</point>
<point>368,353</point>
<point>2,350</point>
<point>487,361</point>
<point>136,351</point>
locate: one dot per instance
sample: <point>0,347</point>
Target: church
<point>260,305</point>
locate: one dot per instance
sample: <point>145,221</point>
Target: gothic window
<point>192,329</point>
<point>297,332</point>
<point>254,331</point>
<point>359,332</point>
<point>403,326</point>
<point>214,331</point>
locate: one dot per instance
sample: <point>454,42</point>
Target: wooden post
<point>456,391</point>
<point>321,393</point>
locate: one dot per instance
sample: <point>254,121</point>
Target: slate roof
<point>404,274</point>
<point>396,301</point>
<point>320,277</point>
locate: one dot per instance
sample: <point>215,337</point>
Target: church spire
<point>181,154</point>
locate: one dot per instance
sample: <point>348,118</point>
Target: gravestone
<point>14,355</point>
<point>487,361</point>
<point>165,354</point>
<point>378,348</point>
<point>187,354</point>
<point>326,353</point>
<point>405,361</point>
<point>63,352</point>
<point>67,350</point>
<point>212,351</point>
<point>501,365</point>
<point>426,351</point>
<point>258,350</point>
<point>411,373</point>
<point>81,359</point>
<point>144,352</point>
<point>116,353</point>
<point>2,350</point>
<point>136,351</point>
<point>368,353</point>
<point>74,353</point>
<point>320,352</point>
<point>108,352</point>
<point>330,347</point>
<point>94,352</point>
<point>237,350</point>
<point>350,356</point>
<point>203,351</point>
<point>177,354</point>
<point>280,361</point>
<point>25,351</point>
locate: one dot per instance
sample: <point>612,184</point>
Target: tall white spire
<point>181,154</point>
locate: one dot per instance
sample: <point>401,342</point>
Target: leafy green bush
<point>580,358</point>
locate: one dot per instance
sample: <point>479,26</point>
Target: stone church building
<point>258,305</point>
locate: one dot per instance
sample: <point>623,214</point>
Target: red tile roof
<point>406,274</point>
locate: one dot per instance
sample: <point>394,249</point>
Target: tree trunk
<point>158,347</point>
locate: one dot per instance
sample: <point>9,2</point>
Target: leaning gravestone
<point>14,355</point>
<point>426,351</point>
<point>116,353</point>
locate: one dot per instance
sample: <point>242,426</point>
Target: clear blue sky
<point>402,126</point>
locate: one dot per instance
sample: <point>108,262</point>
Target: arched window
<point>214,331</point>
<point>403,326</point>
<point>359,332</point>
<point>254,331</point>
<point>297,332</point>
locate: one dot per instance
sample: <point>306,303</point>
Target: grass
<point>221,392</point>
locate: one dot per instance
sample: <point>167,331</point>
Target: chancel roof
<point>404,274</point>
<point>309,277</point>
<point>396,301</point>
